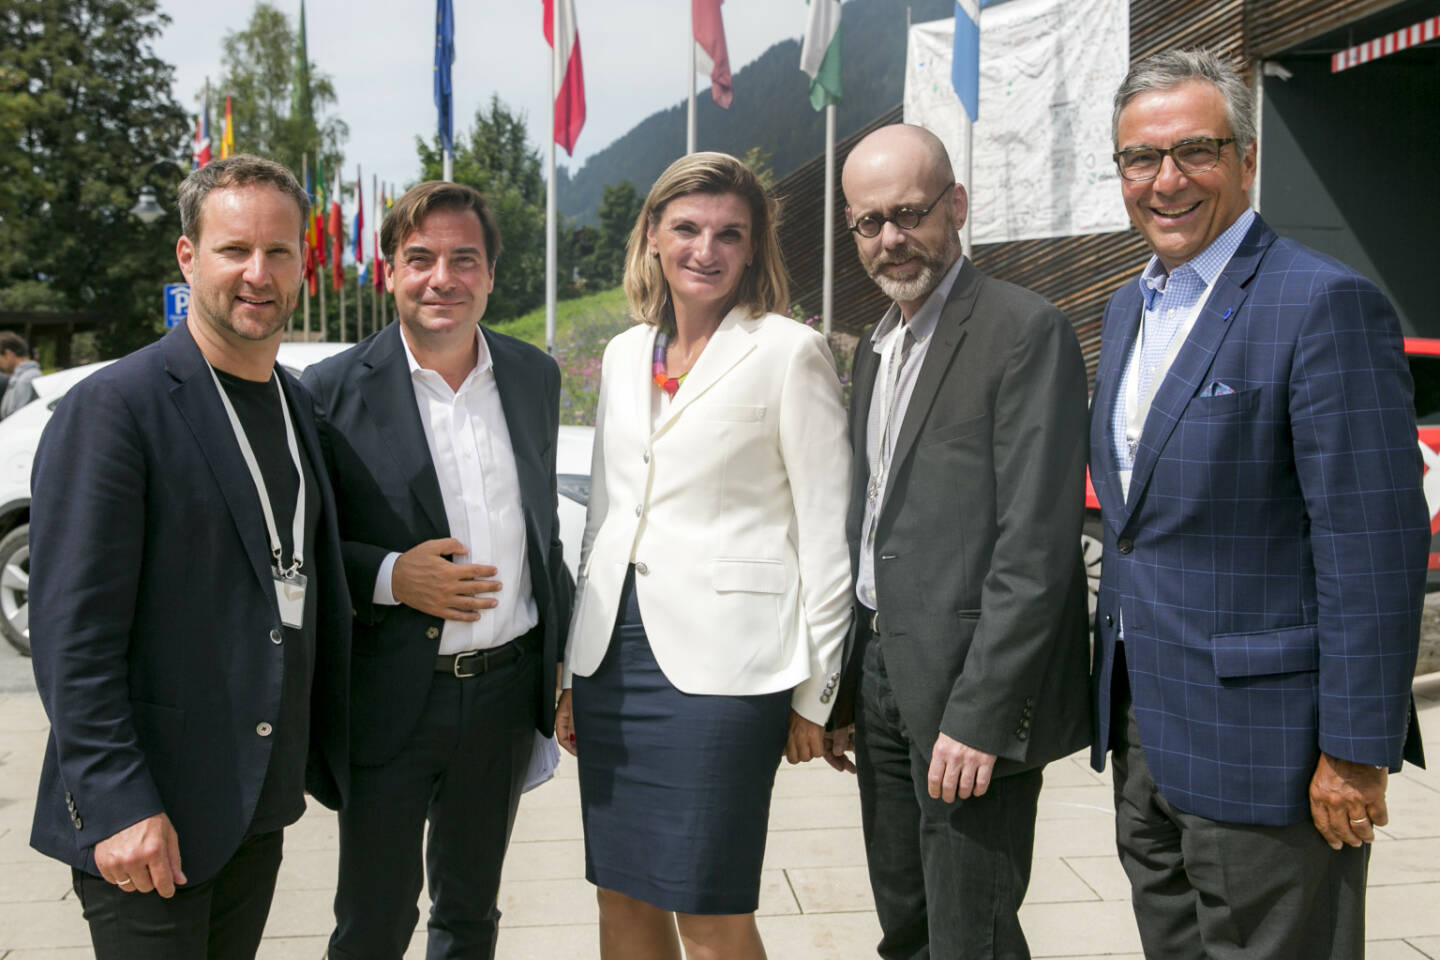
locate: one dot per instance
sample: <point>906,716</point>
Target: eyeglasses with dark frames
<point>1193,156</point>
<point>870,225</point>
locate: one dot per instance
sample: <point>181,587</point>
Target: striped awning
<point>1411,36</point>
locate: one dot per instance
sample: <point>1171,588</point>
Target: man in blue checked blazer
<point>1253,447</point>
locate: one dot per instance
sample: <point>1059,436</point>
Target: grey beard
<point>915,288</point>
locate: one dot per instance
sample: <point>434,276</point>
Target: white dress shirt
<point>469,444</point>
<point>922,327</point>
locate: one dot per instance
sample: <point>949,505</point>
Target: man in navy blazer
<point>1253,448</point>
<point>440,437</point>
<point>190,654</point>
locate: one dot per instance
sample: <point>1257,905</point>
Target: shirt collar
<point>925,319</point>
<point>1206,264</point>
<point>482,359</point>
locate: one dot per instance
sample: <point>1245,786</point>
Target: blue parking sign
<point>177,303</point>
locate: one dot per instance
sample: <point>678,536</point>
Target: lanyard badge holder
<point>289,582</point>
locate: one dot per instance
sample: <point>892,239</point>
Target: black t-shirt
<point>282,799</point>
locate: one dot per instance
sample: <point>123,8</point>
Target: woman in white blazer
<point>714,590</point>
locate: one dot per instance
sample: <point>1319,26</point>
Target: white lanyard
<point>1137,408</point>
<point>298,527</point>
<point>890,355</point>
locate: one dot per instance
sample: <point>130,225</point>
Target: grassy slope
<point>530,327</point>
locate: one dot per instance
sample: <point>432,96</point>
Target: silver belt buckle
<point>461,658</point>
<point>875,622</point>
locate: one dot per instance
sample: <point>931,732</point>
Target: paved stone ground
<point>815,902</point>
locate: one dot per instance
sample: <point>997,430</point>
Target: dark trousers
<point>1205,890</point>
<point>220,919</point>
<point>948,879</point>
<point>462,770</point>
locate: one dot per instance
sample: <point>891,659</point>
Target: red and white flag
<point>570,92</point>
<point>711,55</point>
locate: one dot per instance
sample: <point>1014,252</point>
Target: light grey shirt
<point>922,327</point>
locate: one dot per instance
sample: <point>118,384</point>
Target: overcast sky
<point>380,55</point>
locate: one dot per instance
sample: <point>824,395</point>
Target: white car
<point>20,436</point>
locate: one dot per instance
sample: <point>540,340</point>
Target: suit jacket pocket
<point>1227,405</point>
<point>734,413</point>
<point>952,431</point>
<point>730,575</point>
<point>1286,650</point>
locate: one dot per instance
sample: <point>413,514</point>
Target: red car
<point>1424,354</point>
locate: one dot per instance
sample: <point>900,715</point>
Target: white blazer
<point>732,511</point>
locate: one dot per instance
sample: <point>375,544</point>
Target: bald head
<point>902,173</point>
<point>902,152</point>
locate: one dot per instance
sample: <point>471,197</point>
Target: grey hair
<point>241,170</point>
<point>1170,68</point>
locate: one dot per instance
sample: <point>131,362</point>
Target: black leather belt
<point>474,663</point>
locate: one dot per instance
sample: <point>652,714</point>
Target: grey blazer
<point>978,574</point>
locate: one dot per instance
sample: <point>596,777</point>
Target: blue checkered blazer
<point>1270,559</point>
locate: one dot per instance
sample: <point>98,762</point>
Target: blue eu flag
<point>444,57</point>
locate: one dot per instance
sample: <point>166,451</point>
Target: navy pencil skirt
<point>674,787</point>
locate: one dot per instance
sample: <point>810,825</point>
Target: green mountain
<point>771,108</point>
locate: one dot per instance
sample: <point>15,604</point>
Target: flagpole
<point>550,251</point>
<point>375,213</point>
<point>690,115</point>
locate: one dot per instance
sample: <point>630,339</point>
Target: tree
<point>494,158</point>
<point>274,116</point>
<point>87,118</point>
<point>619,206</point>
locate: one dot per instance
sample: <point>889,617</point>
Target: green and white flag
<point>820,52</point>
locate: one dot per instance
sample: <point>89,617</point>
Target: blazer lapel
<point>1196,356</point>
<point>1124,315</point>
<point>389,396</point>
<point>728,345</point>
<point>194,395</point>
<point>643,360</point>
<point>862,390</point>
<point>519,396</point>
<point>945,341</point>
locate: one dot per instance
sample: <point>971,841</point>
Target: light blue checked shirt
<point>1170,302</point>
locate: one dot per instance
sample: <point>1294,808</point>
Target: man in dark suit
<point>1253,448</point>
<point>440,437</point>
<point>970,649</point>
<point>189,615</point>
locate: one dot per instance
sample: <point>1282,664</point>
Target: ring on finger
<point>125,883</point>
<point>1361,820</point>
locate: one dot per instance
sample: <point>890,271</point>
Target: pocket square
<point>1217,388</point>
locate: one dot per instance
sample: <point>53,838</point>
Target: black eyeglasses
<point>1197,155</point>
<point>870,225</point>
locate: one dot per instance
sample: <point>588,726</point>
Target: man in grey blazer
<point>969,666</point>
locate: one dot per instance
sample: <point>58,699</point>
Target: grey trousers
<point>1226,891</point>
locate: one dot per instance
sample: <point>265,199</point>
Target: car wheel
<point>15,588</point>
<point>1092,540</point>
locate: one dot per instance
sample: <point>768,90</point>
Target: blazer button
<point>1109,620</point>
<point>432,632</point>
<point>1021,735</point>
<point>276,636</point>
<point>825,697</point>
<point>1125,545</point>
<point>263,728</point>
<point>641,569</point>
<point>79,824</point>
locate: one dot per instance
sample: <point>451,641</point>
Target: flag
<point>444,57</point>
<point>965,60</point>
<point>202,136</point>
<point>311,234</point>
<point>300,105</point>
<point>319,210</point>
<point>337,237</point>
<point>820,52</point>
<point>570,94</point>
<point>710,38</point>
<point>359,220</point>
<point>227,139</point>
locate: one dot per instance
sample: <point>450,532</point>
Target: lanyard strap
<point>1137,408</point>
<point>248,453</point>
<point>890,362</point>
